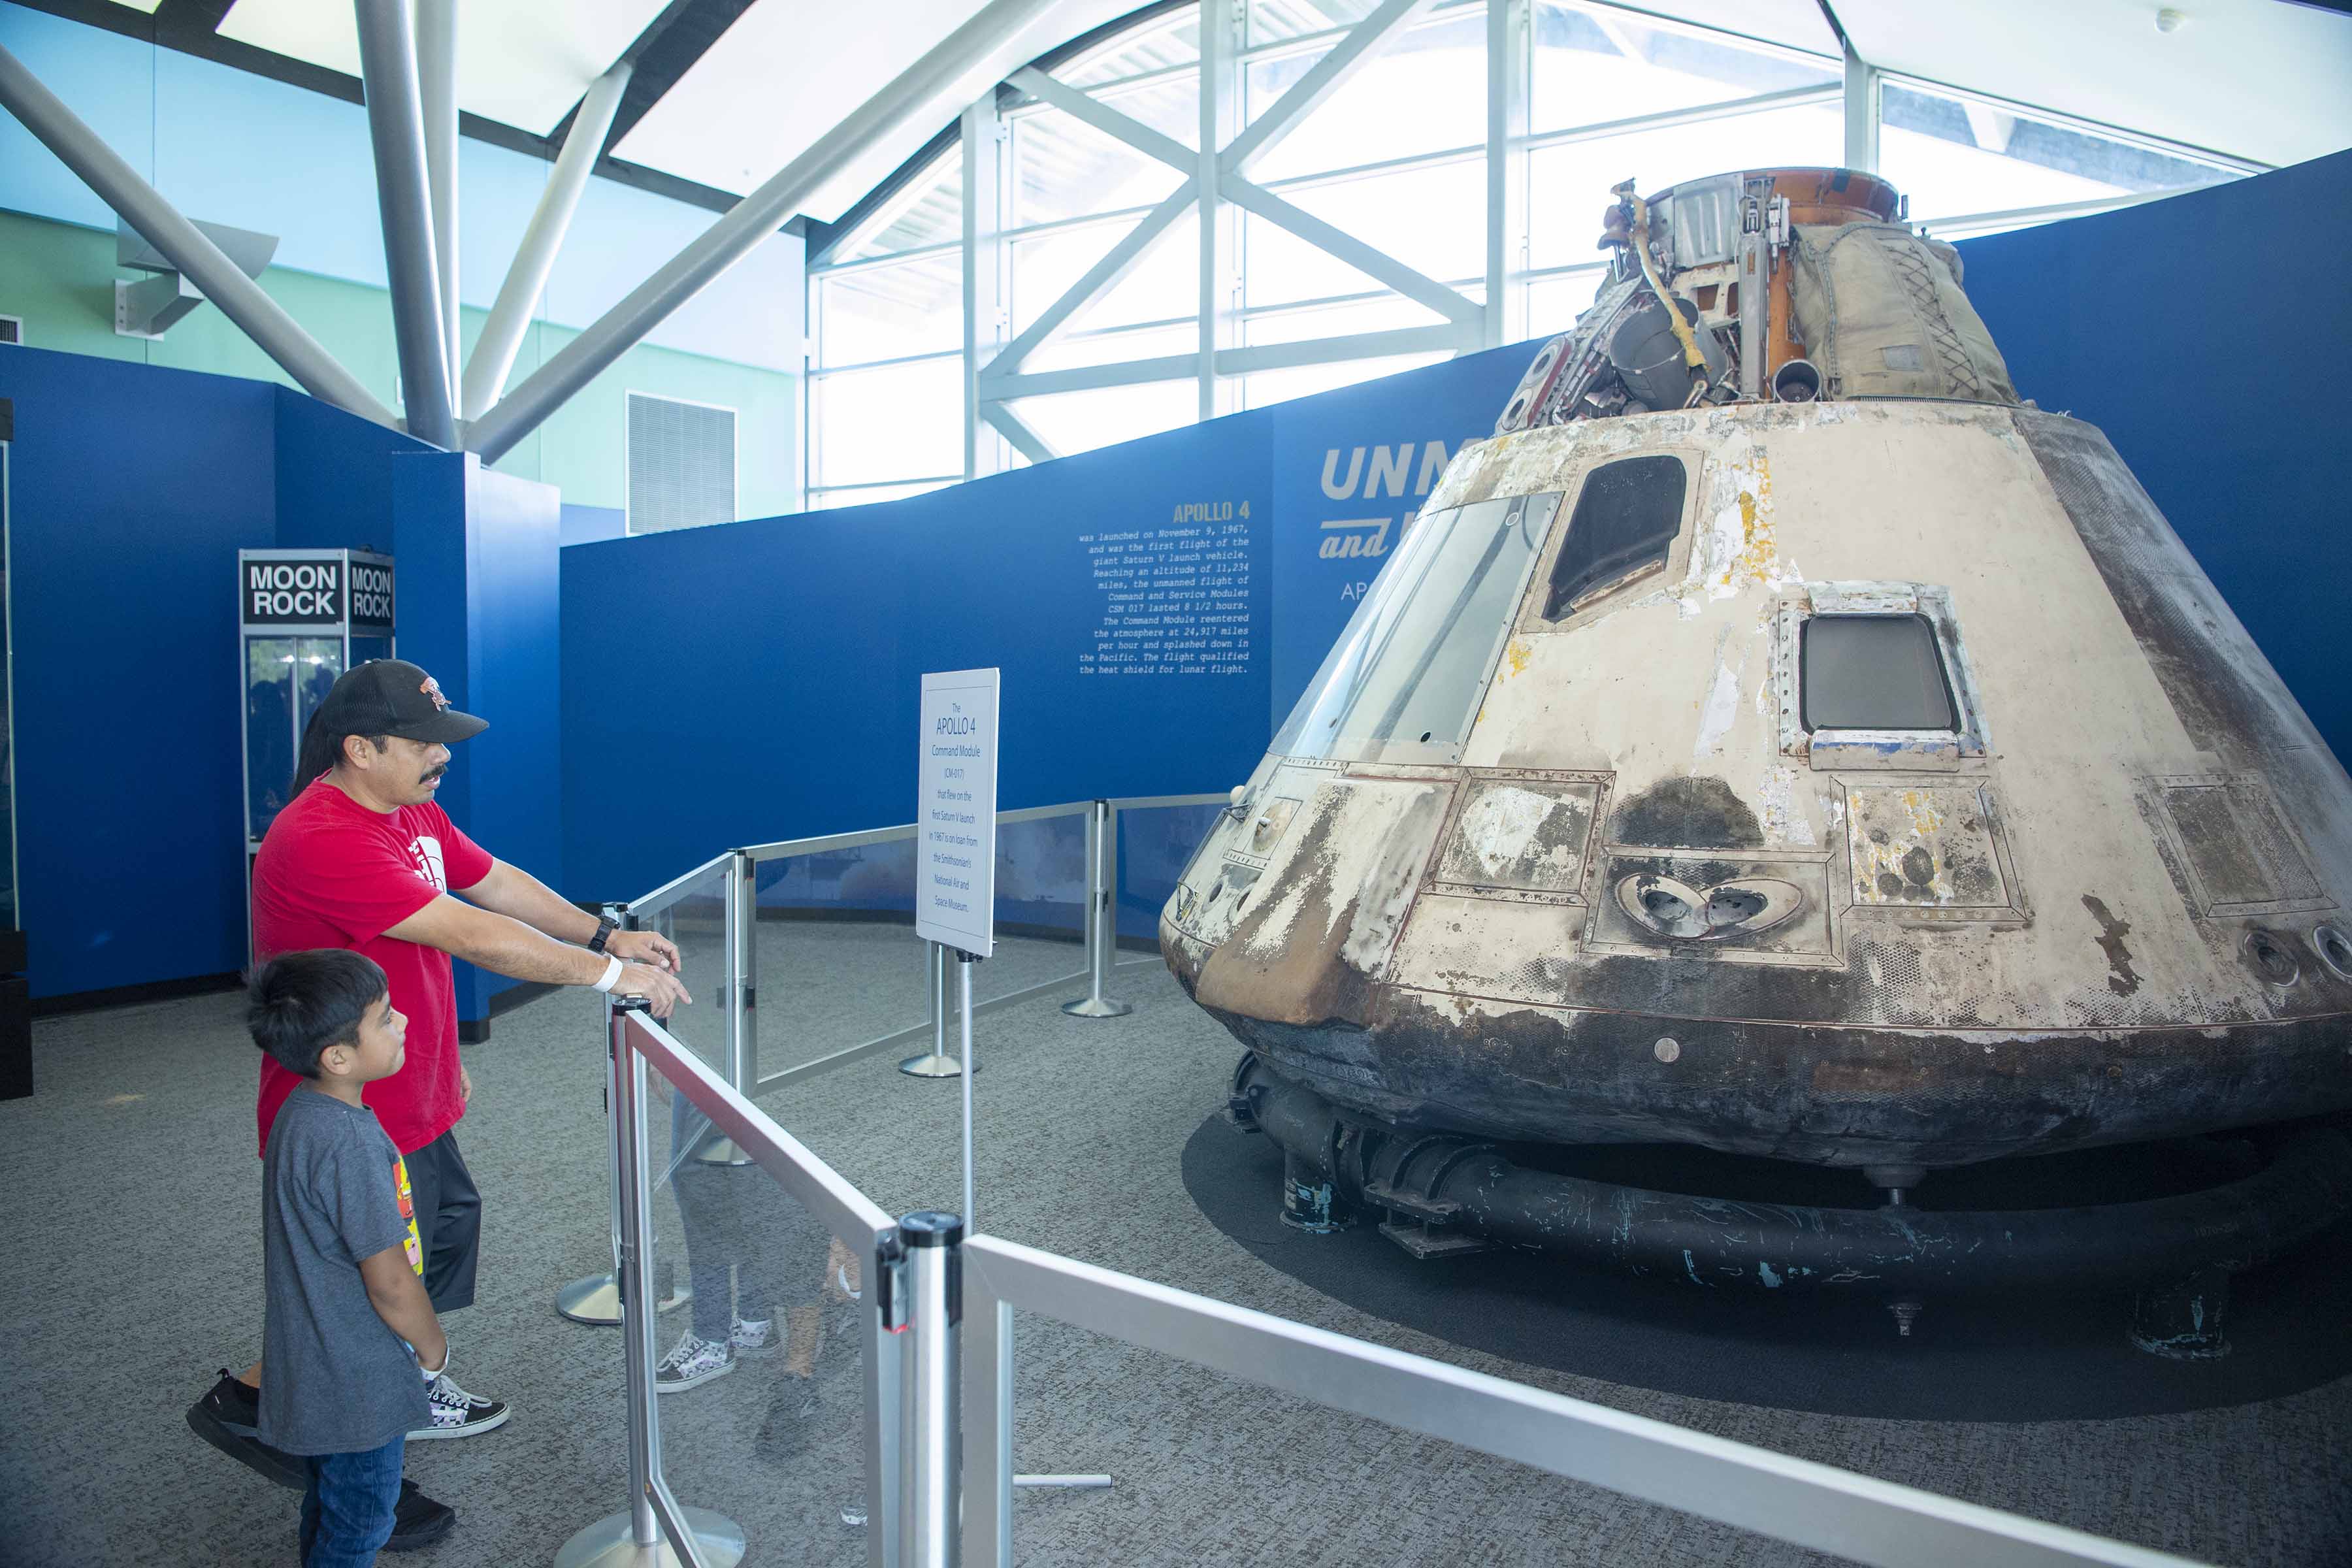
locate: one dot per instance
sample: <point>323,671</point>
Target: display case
<point>304,616</point>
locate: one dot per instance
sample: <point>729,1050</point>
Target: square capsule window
<point>1874,672</point>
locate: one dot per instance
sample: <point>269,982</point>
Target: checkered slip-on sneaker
<point>457,1413</point>
<point>754,1336</point>
<point>693,1362</point>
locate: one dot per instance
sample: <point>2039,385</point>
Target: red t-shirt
<point>331,873</point>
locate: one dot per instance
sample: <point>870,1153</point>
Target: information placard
<point>955,814</point>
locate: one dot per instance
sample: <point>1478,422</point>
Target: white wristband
<point>612,967</point>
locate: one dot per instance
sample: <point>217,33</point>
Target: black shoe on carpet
<point>224,1417</point>
<point>417,1520</point>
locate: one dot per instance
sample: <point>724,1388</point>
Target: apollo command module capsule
<point>1780,740</point>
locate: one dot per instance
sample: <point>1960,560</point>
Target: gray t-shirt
<point>335,1378</point>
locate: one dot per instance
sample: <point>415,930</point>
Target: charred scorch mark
<point>1686,814</point>
<point>2112,932</point>
<point>1849,1097</point>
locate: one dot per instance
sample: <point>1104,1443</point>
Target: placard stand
<point>935,1062</point>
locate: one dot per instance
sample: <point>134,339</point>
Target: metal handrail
<point>1154,802</point>
<point>677,887</point>
<point>787,848</point>
<point>1799,1500</point>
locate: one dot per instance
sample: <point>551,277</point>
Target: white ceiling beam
<point>1087,378</point>
<point>750,222</point>
<point>1024,439</point>
<point>1121,127</point>
<point>543,238</point>
<point>1375,264</point>
<point>187,247</point>
<point>1103,276</point>
<point>1327,76</point>
<point>1440,337</point>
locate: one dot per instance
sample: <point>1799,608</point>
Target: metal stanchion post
<point>1102,917</point>
<point>964,962</point>
<point>936,1062</point>
<point>744,916</point>
<point>634,1539</point>
<point>932,1478</point>
<point>596,1300</point>
<point>741,1062</point>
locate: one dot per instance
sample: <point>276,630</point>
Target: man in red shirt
<point>363,858</point>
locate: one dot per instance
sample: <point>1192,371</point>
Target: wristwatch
<point>605,928</point>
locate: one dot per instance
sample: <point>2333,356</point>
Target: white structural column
<point>396,128</point>
<point>436,81</point>
<point>534,259</point>
<point>185,245</point>
<point>1223,23</point>
<point>749,221</point>
<point>987,293</point>
<point>1861,96</point>
<point>1510,54</point>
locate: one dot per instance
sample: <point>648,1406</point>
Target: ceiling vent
<point>681,464</point>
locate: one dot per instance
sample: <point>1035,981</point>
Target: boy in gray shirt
<point>350,1343</point>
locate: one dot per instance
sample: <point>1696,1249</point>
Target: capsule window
<point>1625,521</point>
<point>1875,672</point>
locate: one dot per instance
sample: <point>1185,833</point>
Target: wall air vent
<point>681,464</point>
<point>12,329</point>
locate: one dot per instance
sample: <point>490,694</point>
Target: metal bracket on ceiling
<point>151,307</point>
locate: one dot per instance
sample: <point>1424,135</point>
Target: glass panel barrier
<point>760,1376</point>
<point>835,954</point>
<point>769,1374</point>
<point>692,912</point>
<point>1041,906</point>
<point>1156,842</point>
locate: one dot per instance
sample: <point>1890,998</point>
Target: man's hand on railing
<point>660,989</point>
<point>649,948</point>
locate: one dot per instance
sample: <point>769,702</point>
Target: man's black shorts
<point>448,1221</point>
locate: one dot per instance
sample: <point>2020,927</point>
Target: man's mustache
<point>434,774</point>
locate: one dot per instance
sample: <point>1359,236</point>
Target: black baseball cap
<point>394,696</point>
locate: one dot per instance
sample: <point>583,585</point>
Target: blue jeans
<point>347,1508</point>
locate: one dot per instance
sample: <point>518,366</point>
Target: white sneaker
<point>457,1413</point>
<point>754,1336</point>
<point>692,1364</point>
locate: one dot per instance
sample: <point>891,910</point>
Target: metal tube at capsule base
<point>931,1508</point>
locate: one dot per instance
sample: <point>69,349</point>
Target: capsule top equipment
<point>1786,284</point>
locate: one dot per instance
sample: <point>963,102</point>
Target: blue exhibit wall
<point>2189,330</point>
<point>759,680</point>
<point>132,487</point>
<point>477,571</point>
<point>130,491</point>
<point>334,476</point>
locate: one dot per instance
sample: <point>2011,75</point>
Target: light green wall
<point>60,279</point>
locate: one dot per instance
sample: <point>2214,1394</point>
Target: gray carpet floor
<point>128,1215</point>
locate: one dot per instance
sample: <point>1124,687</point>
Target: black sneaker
<point>457,1413</point>
<point>226,1417</point>
<point>417,1520</point>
